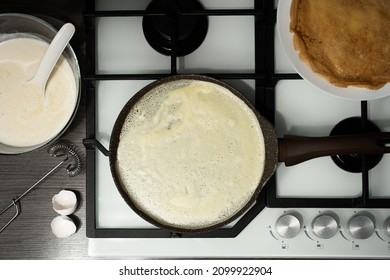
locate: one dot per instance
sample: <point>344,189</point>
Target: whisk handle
<point>17,211</point>
<point>40,180</point>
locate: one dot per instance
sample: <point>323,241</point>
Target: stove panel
<point>255,64</point>
<point>123,49</point>
<point>233,51</point>
<point>302,110</point>
<point>261,240</point>
<point>380,176</point>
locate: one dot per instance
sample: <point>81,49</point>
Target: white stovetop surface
<point>315,178</point>
<point>258,240</point>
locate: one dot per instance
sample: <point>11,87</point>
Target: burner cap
<point>353,163</point>
<point>190,29</point>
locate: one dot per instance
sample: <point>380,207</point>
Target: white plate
<point>286,38</point>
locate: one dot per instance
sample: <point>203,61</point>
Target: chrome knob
<point>361,227</point>
<point>386,227</point>
<point>325,226</point>
<point>288,226</point>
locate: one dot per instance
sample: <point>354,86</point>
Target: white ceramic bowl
<point>13,25</point>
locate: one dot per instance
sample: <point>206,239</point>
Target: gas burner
<point>353,163</point>
<point>161,31</point>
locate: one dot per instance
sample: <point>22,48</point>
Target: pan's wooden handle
<point>296,149</point>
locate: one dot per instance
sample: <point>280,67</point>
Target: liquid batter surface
<point>25,119</point>
<point>191,155</point>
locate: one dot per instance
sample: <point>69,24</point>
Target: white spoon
<point>51,56</point>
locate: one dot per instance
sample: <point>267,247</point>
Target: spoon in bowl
<point>51,56</point>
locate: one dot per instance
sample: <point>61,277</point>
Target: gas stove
<point>330,207</point>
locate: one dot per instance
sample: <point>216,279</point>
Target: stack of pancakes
<point>345,41</point>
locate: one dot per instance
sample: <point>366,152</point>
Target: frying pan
<point>291,149</point>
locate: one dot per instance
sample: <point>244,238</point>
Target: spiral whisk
<point>61,149</point>
<point>67,149</point>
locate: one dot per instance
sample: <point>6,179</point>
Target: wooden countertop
<point>30,235</point>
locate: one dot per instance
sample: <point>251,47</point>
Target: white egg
<point>63,226</point>
<point>65,202</point>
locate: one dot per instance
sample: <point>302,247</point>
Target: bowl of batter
<point>30,120</point>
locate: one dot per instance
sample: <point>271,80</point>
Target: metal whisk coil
<point>66,148</point>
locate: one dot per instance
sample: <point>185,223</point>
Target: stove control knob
<point>288,226</point>
<point>325,226</point>
<point>361,227</point>
<point>386,227</point>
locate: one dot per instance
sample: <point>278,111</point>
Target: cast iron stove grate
<point>265,79</point>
